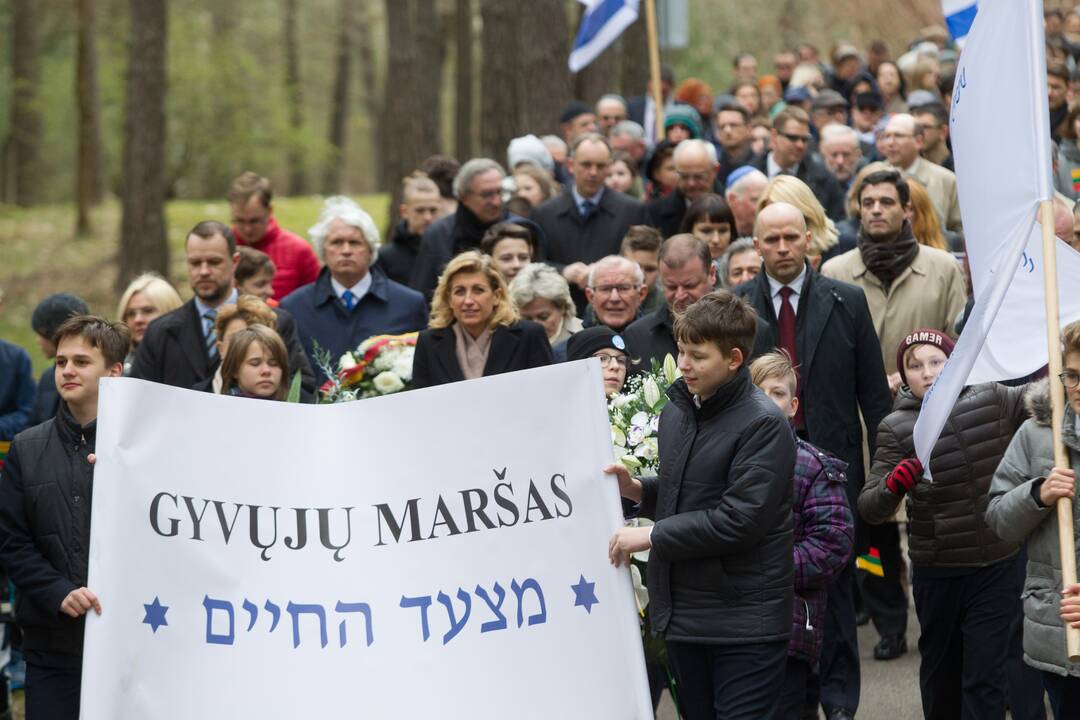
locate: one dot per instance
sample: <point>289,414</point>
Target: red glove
<point>904,476</point>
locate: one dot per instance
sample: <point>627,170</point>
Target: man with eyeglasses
<point>616,289</point>
<point>589,222</point>
<point>695,167</point>
<point>901,142</point>
<point>610,111</point>
<point>790,141</point>
<point>733,139</point>
<point>295,262</point>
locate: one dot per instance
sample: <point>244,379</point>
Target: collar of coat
<point>725,396</point>
<point>324,289</point>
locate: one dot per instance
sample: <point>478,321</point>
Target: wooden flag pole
<point>654,67</point>
<point>1066,539</point>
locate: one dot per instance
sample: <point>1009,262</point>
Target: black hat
<point>869,100</point>
<point>51,313</point>
<point>828,100</point>
<point>583,344</point>
<point>573,110</point>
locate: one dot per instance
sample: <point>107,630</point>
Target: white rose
<point>402,367</point>
<point>347,362</point>
<point>640,419</point>
<point>387,382</point>
<point>635,436</point>
<point>383,361</point>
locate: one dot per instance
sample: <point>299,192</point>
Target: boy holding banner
<point>1026,487</point>
<point>720,572</point>
<point>45,492</point>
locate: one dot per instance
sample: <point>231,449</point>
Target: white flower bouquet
<point>635,417</point>
<point>381,365</point>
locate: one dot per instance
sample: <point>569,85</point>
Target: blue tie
<point>211,336</point>
<point>349,299</point>
<point>587,209</point>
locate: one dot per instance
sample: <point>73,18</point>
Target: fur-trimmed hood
<point>1037,401</point>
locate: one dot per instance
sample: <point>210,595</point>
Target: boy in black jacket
<point>720,569</point>
<point>45,495</point>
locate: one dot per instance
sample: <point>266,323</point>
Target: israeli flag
<point>959,14</point>
<point>603,22</point>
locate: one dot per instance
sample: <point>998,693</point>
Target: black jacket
<point>46,398</point>
<point>398,255</point>
<point>825,186</point>
<point>721,565</point>
<point>173,351</point>
<point>445,238</point>
<point>839,364</point>
<point>650,338</point>
<point>666,213</point>
<point>571,239</point>
<point>520,346</point>
<point>729,163</point>
<point>45,532</point>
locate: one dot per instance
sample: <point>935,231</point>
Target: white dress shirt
<point>796,286</point>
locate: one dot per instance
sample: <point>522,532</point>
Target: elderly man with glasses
<point>790,140</point>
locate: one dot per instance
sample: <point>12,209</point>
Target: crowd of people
<point>795,242</point>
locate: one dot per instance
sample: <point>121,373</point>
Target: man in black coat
<point>420,207</point>
<point>790,141</point>
<point>588,222</point>
<point>826,328</point>
<point>478,188</point>
<point>695,165</point>
<point>45,494</point>
<point>733,137</point>
<point>179,347</point>
<point>49,315</point>
<point>687,274</point>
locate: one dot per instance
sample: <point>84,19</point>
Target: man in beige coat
<point>907,286</point>
<point>901,142</point>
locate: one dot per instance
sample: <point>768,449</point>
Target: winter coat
<point>386,308</point>
<point>46,398</point>
<point>720,568</point>
<point>16,390</point>
<point>947,526</point>
<point>1016,515</point>
<point>1067,176</point>
<point>45,494</point>
<point>295,262</point>
<point>397,256</point>
<point>519,346</point>
<point>824,537</point>
<point>651,337</point>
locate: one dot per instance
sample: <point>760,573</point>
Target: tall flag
<point>959,14</point>
<point>601,25</point>
<point>999,101</point>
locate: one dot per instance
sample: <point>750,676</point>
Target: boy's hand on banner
<point>79,602</point>
<point>629,487</point>
<point>626,541</point>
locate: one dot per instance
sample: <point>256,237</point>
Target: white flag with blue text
<point>959,14</point>
<point>1001,145</point>
<point>601,25</point>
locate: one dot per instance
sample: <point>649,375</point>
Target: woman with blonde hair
<point>146,298</point>
<point>475,329</point>
<point>789,189</point>
<point>924,219</point>
<point>256,365</point>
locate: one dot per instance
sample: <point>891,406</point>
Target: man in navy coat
<point>352,299</point>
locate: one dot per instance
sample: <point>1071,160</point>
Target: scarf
<point>471,354</point>
<point>888,259</point>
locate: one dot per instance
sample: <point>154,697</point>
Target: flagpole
<point>654,67</point>
<point>1066,538</point>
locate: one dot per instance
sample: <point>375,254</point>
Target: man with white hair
<point>616,289</point>
<point>842,153</point>
<point>744,188</point>
<point>629,137</point>
<point>695,166</point>
<point>610,111</point>
<point>352,299</point>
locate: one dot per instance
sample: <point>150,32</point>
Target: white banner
<point>999,102</point>
<point>438,553</point>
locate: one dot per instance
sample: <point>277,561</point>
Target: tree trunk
<point>543,63</point>
<point>294,100</point>
<point>410,128</point>
<point>143,242</point>
<point>339,102</point>
<point>88,180</point>
<point>504,87</point>
<point>463,82</point>
<point>26,122</point>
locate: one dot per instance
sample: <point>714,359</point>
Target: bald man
<point>826,327</point>
<point>901,143</point>
<point>695,165</point>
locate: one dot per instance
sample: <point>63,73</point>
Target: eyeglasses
<point>621,290</point>
<point>605,360</point>
<point>1070,379</point>
<point>796,138</point>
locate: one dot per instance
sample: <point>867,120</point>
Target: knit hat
<point>686,116</point>
<point>923,336</point>
<point>583,344</point>
<point>573,109</point>
<point>531,149</point>
<point>828,100</point>
<point>51,313</point>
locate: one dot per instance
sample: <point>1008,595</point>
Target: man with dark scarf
<point>905,284</point>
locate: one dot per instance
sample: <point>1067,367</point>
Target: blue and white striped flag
<point>603,22</point>
<point>959,14</point>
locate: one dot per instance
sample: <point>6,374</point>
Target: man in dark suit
<point>790,141</point>
<point>179,348</point>
<point>588,222</point>
<point>826,328</point>
<point>695,166</point>
<point>641,109</point>
<point>687,273</point>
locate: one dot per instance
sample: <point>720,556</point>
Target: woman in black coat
<point>475,330</point>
